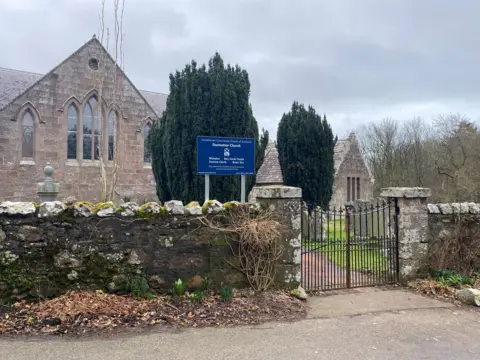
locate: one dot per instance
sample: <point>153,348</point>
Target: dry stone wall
<point>443,219</point>
<point>47,249</point>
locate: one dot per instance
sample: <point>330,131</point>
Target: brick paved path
<point>318,273</point>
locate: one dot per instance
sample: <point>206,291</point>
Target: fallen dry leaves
<point>433,288</point>
<point>82,312</point>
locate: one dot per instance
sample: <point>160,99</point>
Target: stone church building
<point>353,180</point>
<point>55,117</point>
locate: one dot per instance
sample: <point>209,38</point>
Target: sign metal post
<point>207,187</point>
<point>225,156</point>
<point>243,190</point>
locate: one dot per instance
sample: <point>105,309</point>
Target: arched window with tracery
<point>147,156</point>
<point>91,130</point>
<point>112,126</point>
<point>72,131</point>
<point>28,134</point>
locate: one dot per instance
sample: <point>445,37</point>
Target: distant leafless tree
<point>443,157</point>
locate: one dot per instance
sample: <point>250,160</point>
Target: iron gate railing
<point>350,247</point>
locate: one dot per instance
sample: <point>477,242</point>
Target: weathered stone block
<point>433,209</point>
<point>288,275</point>
<point>66,260</point>
<point>275,192</point>
<point>445,209</point>
<point>456,208</point>
<point>193,208</point>
<point>464,208</point>
<point>129,209</point>
<point>469,296</point>
<point>165,240</point>
<point>174,207</point>
<point>404,192</point>
<point>3,236</point>
<point>51,208</point>
<point>17,208</point>
<point>473,208</point>
<point>29,233</point>
<point>150,208</point>
<point>212,207</point>
<point>105,210</point>
<point>82,209</point>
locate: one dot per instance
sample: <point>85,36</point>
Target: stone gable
<point>349,163</point>
<point>73,81</point>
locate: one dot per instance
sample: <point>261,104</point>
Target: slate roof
<point>270,173</point>
<point>15,82</point>
<point>339,152</point>
<point>157,101</point>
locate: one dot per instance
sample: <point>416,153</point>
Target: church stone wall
<point>48,98</point>
<point>352,166</point>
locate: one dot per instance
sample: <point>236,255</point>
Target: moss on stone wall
<point>41,275</point>
<point>102,205</point>
<point>49,256</point>
<point>88,204</point>
<point>150,210</point>
<point>67,216</point>
<point>43,256</point>
<point>206,205</point>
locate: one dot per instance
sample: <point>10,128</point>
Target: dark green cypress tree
<point>305,145</point>
<point>263,142</point>
<point>203,101</point>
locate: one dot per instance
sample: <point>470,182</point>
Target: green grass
<point>367,256</point>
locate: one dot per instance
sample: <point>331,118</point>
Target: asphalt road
<point>436,333</point>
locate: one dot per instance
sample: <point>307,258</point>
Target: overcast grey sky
<point>355,60</point>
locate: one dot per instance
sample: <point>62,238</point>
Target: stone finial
<point>48,171</point>
<point>48,189</point>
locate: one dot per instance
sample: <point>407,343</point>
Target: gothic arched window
<point>112,126</point>
<point>147,156</point>
<point>91,130</point>
<point>72,132</point>
<point>28,134</point>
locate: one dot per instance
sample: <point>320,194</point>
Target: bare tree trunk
<point>109,168</point>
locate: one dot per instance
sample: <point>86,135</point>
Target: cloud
<point>355,61</point>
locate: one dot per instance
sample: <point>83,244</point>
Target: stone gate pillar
<point>412,229</point>
<point>286,201</point>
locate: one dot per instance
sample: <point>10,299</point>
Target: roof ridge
<point>43,74</point>
<point>87,43</point>
<point>23,71</point>
<point>153,92</point>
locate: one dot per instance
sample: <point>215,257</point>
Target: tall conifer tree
<point>305,147</point>
<point>203,101</point>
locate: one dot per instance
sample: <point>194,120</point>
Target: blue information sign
<point>225,156</point>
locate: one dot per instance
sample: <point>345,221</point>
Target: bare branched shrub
<point>460,250</point>
<point>256,240</point>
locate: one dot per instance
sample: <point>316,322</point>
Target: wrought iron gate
<point>350,247</point>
